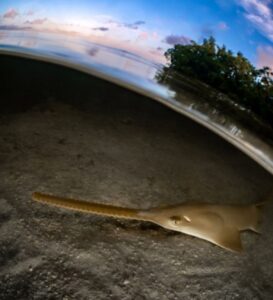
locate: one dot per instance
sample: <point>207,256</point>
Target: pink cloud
<point>11,13</point>
<point>155,35</point>
<point>222,26</point>
<point>265,56</point>
<point>3,35</point>
<point>143,35</point>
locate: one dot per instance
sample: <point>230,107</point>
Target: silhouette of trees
<point>230,73</point>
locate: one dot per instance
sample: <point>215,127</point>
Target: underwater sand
<point>118,148</point>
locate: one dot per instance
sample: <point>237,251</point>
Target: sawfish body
<point>216,223</point>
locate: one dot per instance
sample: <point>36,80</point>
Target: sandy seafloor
<point>73,135</point>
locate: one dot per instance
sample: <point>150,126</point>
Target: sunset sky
<point>149,28</point>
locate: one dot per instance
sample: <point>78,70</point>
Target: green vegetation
<point>231,74</point>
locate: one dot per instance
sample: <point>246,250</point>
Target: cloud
<point>14,27</point>
<point>144,35</point>
<point>265,56</point>
<point>157,51</point>
<point>259,6</point>
<point>260,14</point>
<point>11,13</point>
<point>177,39</point>
<point>36,21</point>
<point>222,26</point>
<point>155,35</point>
<point>135,25</point>
<point>101,28</point>
<point>29,13</point>
<point>139,23</point>
<point>93,51</point>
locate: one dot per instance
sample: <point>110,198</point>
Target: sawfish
<point>219,224</point>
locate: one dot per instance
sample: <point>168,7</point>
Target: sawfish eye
<point>175,219</point>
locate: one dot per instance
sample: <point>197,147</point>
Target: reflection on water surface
<point>141,75</point>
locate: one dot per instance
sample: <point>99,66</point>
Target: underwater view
<point>136,149</point>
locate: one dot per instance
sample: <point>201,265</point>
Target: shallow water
<point>89,139</point>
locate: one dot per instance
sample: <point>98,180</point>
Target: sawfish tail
<point>89,207</point>
<point>257,209</point>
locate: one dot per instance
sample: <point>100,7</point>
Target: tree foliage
<point>230,73</point>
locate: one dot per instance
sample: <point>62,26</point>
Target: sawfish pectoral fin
<point>228,238</point>
<point>216,231</point>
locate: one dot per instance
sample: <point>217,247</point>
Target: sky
<point>149,28</point>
